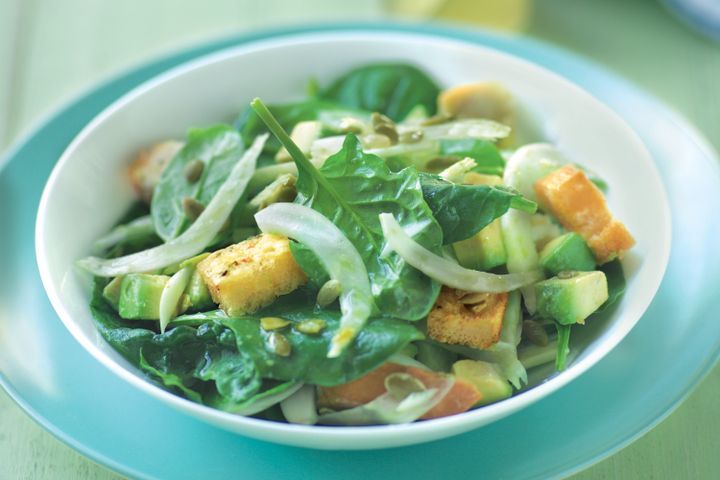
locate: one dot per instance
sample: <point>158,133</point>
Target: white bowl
<point>87,192</point>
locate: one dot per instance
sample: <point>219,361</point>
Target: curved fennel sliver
<point>339,257</point>
<point>446,271</point>
<point>197,236</point>
<point>171,294</point>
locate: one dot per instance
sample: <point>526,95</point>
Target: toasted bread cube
<point>465,318</point>
<point>251,274</point>
<point>570,196</point>
<point>461,397</point>
<point>149,164</point>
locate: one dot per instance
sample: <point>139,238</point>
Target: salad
<point>379,252</point>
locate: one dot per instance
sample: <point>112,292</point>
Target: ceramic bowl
<point>88,191</point>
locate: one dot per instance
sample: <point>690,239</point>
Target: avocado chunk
<point>568,252</point>
<point>483,251</point>
<point>111,292</point>
<point>485,378</point>
<point>570,297</point>
<point>198,294</point>
<point>140,296</point>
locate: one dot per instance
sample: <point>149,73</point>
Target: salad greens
<point>304,276</point>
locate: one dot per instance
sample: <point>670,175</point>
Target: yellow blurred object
<point>501,14</point>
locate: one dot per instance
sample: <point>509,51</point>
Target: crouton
<point>477,100</point>
<point>149,164</point>
<point>251,274</point>
<point>570,196</point>
<point>461,397</point>
<point>465,318</point>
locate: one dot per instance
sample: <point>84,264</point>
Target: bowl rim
<point>390,433</point>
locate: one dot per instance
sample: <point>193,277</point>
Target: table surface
<point>51,50</point>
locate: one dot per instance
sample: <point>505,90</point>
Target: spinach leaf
<point>202,363</point>
<point>391,89</point>
<point>464,210</point>
<point>218,147</point>
<point>616,283</point>
<point>308,362</point>
<point>485,153</point>
<point>352,188</point>
<point>310,264</point>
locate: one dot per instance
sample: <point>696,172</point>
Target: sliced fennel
<point>529,164</point>
<point>171,294</point>
<point>300,407</point>
<point>196,237</point>
<point>339,257</point>
<point>446,271</point>
<point>138,229</point>
<point>405,401</point>
<point>522,256</point>
<point>263,401</point>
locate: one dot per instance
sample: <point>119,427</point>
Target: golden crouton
<point>467,318</point>
<point>570,196</point>
<point>147,167</point>
<point>251,274</point>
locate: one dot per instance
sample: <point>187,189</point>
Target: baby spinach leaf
<point>391,89</point>
<point>485,153</point>
<point>218,147</point>
<point>351,189</point>
<point>616,283</point>
<point>202,363</point>
<point>308,362</point>
<point>464,210</point>
<point>310,264</point>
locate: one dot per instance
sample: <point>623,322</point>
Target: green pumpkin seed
<point>312,326</point>
<point>328,293</point>
<point>193,171</point>
<point>273,323</point>
<point>534,332</point>
<point>192,208</point>
<point>411,136</point>
<point>279,345</point>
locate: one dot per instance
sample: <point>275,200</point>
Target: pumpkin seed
<point>534,332</point>
<point>273,323</point>
<point>192,208</point>
<point>279,344</point>
<point>193,170</point>
<point>328,293</point>
<point>312,326</point>
<point>384,126</point>
<point>474,298</point>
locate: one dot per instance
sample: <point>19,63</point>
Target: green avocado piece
<point>568,252</point>
<point>198,293</point>
<point>485,378</point>
<point>483,251</point>
<point>140,296</point>
<point>111,292</point>
<point>570,297</point>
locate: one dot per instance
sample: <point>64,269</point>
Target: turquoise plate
<point>675,343</point>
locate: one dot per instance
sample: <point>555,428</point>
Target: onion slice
<point>194,239</point>
<point>446,271</point>
<point>339,257</point>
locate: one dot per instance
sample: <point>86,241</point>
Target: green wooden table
<point>50,50</point>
